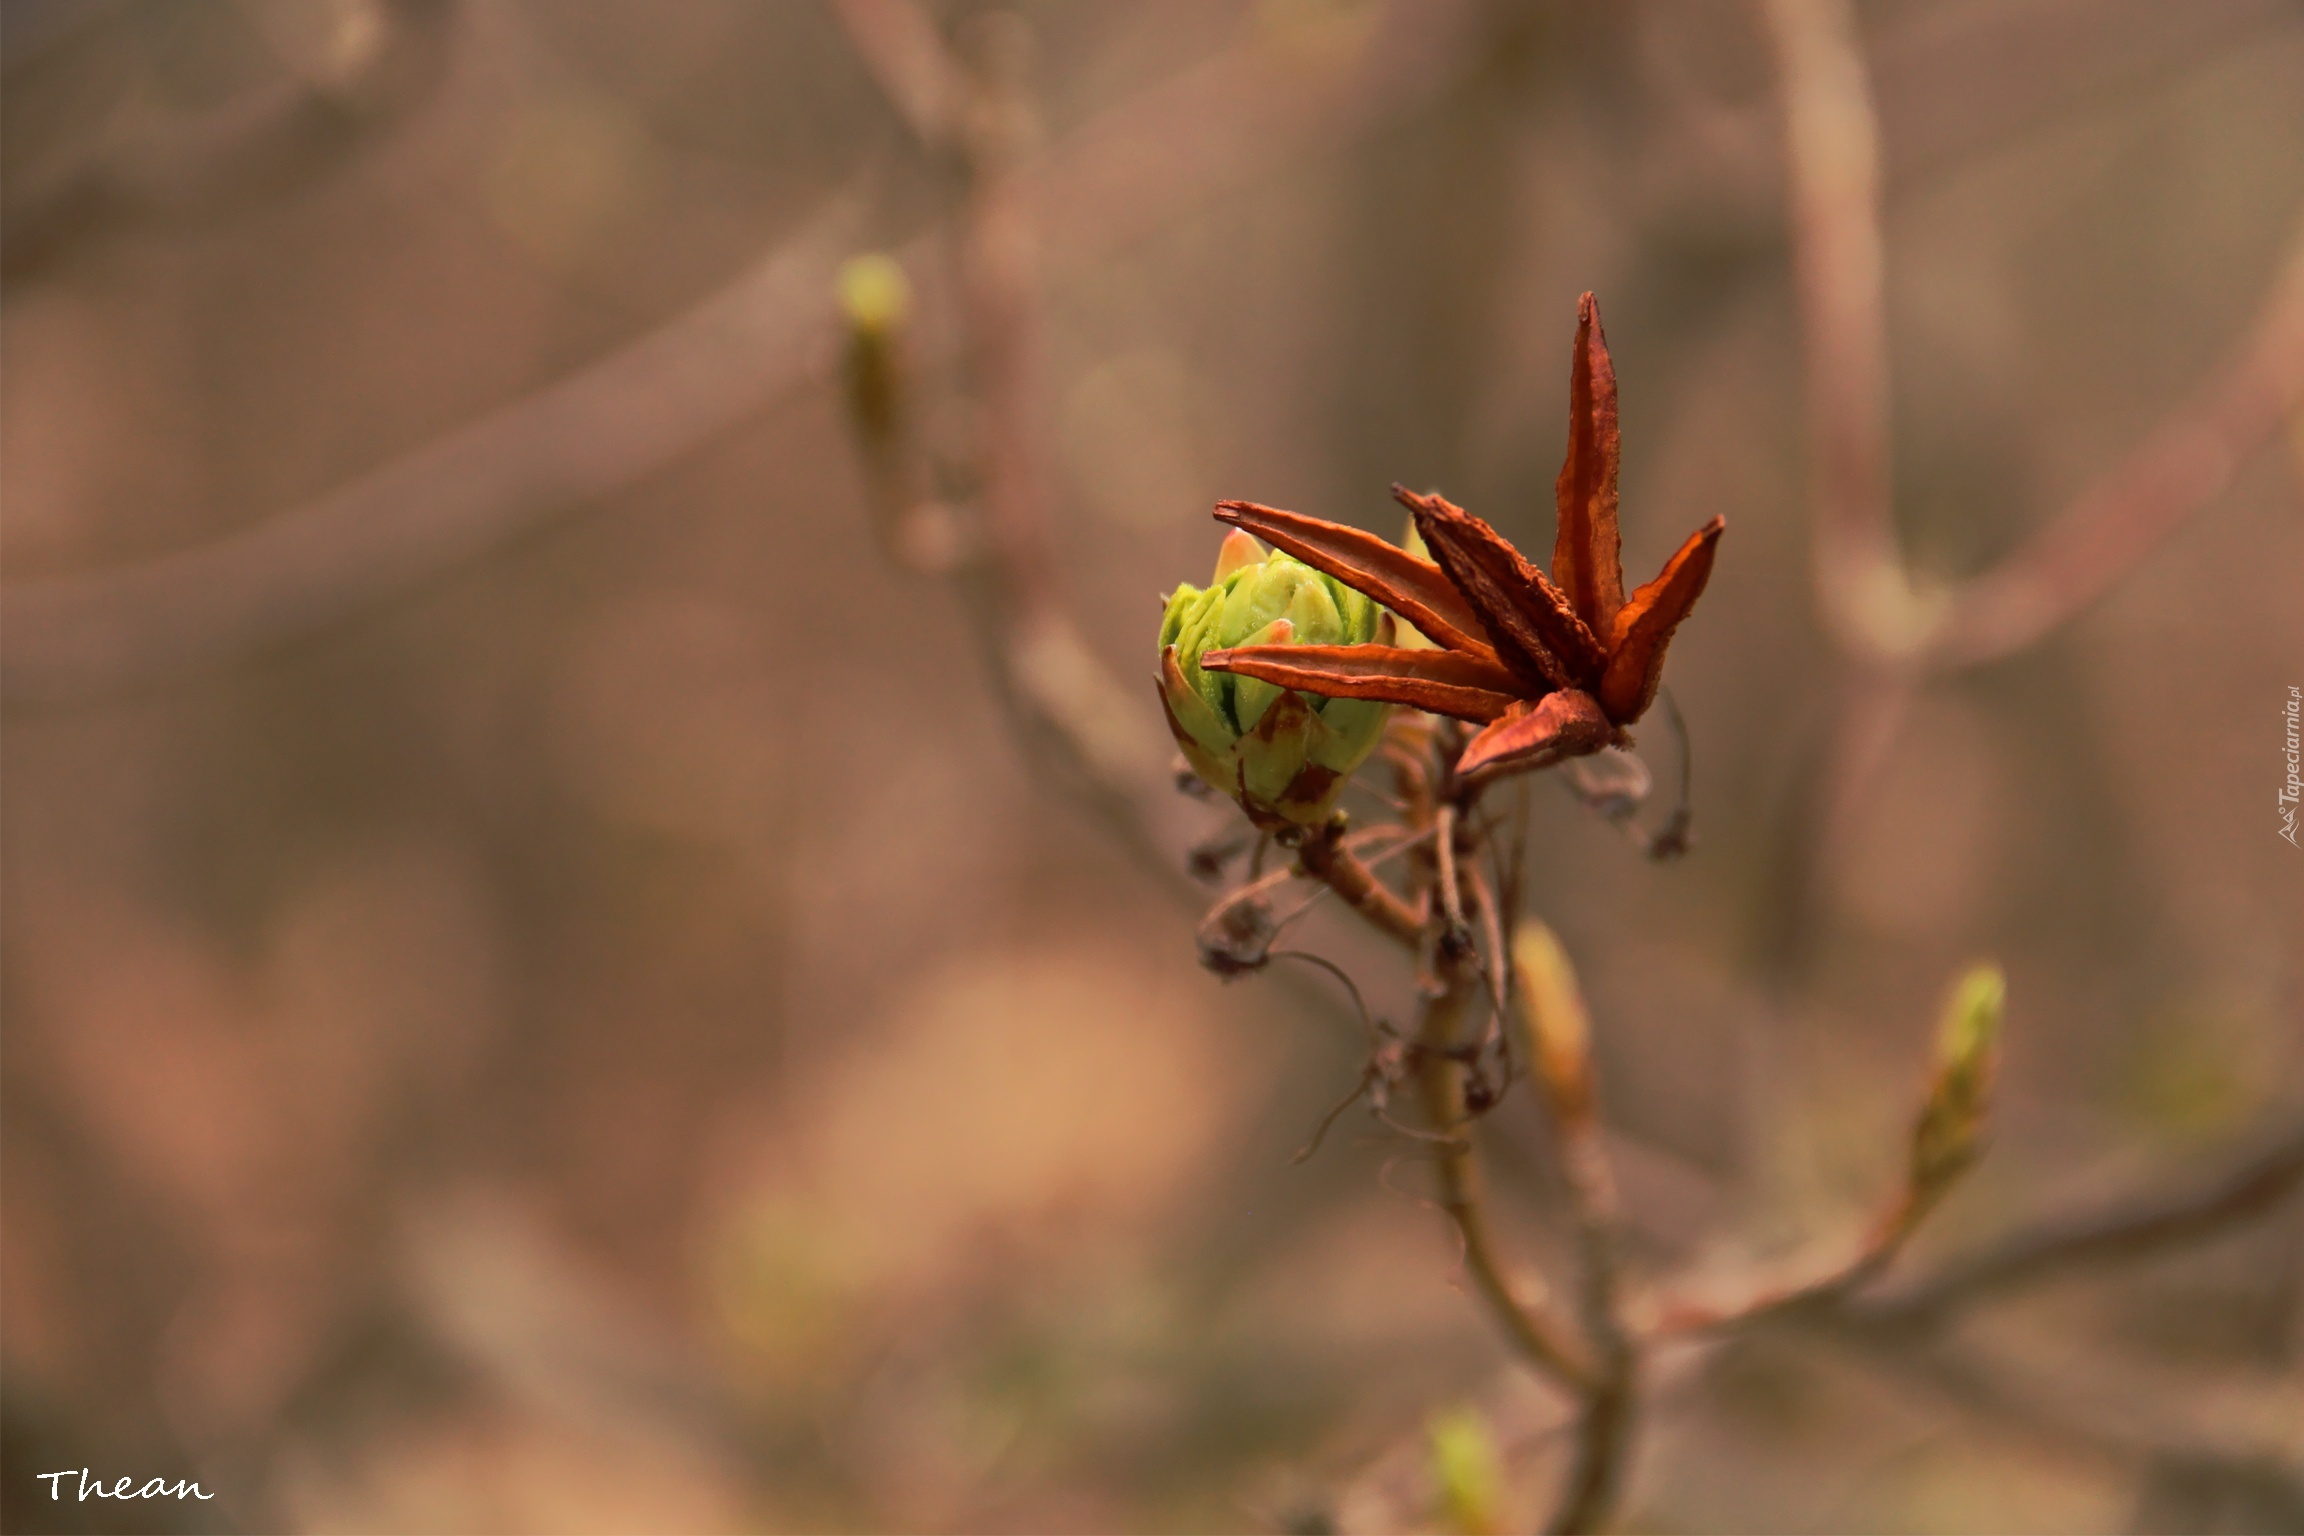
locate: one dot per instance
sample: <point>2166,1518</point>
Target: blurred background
<point>543,992</point>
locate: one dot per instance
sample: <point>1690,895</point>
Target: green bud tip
<point>1971,1025</point>
<point>1468,1469</point>
<point>1240,550</point>
<point>874,292</point>
<point>1949,1133</point>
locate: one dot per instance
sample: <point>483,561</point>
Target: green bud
<point>1552,1012</point>
<point>1283,754</point>
<point>1950,1131</point>
<point>874,293</point>
<point>874,297</point>
<point>1468,1470</point>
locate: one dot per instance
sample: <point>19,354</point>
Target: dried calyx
<point>1552,667</point>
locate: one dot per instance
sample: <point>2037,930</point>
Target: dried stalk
<point>1324,857</point>
<point>1440,1028</point>
<point>1605,1423</point>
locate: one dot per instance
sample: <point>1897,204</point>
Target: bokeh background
<point>561,1003</point>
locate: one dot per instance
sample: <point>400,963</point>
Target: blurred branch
<point>1218,125</point>
<point>2184,464</point>
<point>1833,142</point>
<point>592,433</point>
<point>1865,591</point>
<point>1559,1030</point>
<point>380,61</point>
<point>994,545</point>
<point>1439,1051</point>
<point>1440,1032</point>
<point>2133,1229</point>
<point>1893,636</point>
<point>898,42</point>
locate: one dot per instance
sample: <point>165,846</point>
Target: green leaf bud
<point>1282,754</point>
<point>1950,1131</point>
<point>1552,1012</point>
<point>1468,1470</point>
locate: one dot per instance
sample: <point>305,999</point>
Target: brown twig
<point>1065,704</point>
<point>1865,592</point>
<point>2130,1230</point>
<point>161,165</point>
<point>2180,467</point>
<point>1324,858</point>
<point>1560,1051</point>
<point>1440,1082</point>
<point>1218,125</point>
<point>1440,1074</point>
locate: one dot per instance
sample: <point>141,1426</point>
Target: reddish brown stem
<point>1325,858</point>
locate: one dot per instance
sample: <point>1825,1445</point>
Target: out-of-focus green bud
<point>874,293</point>
<point>1283,754</point>
<point>874,298</point>
<point>1552,1011</point>
<point>1468,1470</point>
<point>1950,1131</point>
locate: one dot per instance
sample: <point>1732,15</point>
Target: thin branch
<point>2180,467</point>
<point>592,433</point>
<point>1561,1065</point>
<point>2130,1230</point>
<point>1440,1079</point>
<point>1832,139</point>
<point>1324,858</point>
<point>157,164</point>
<point>1863,587</point>
<point>1219,125</point>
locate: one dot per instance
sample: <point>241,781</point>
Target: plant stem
<point>1440,1083</point>
<point>1604,1431</point>
<point>1325,858</point>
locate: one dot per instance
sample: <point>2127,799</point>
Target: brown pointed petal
<point>1587,554</point>
<point>1636,648</point>
<point>1536,633</point>
<point>1414,589</point>
<point>1444,682</point>
<point>1537,735</point>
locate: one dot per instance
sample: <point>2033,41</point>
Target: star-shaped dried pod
<point>1552,666</point>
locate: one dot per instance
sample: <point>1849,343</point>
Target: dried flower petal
<point>1537,735</point>
<point>1411,587</point>
<point>1644,626</point>
<point>1536,632</point>
<point>1587,552</point>
<point>1445,682</point>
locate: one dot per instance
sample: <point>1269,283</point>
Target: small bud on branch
<point>1552,1011</point>
<point>1949,1134</point>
